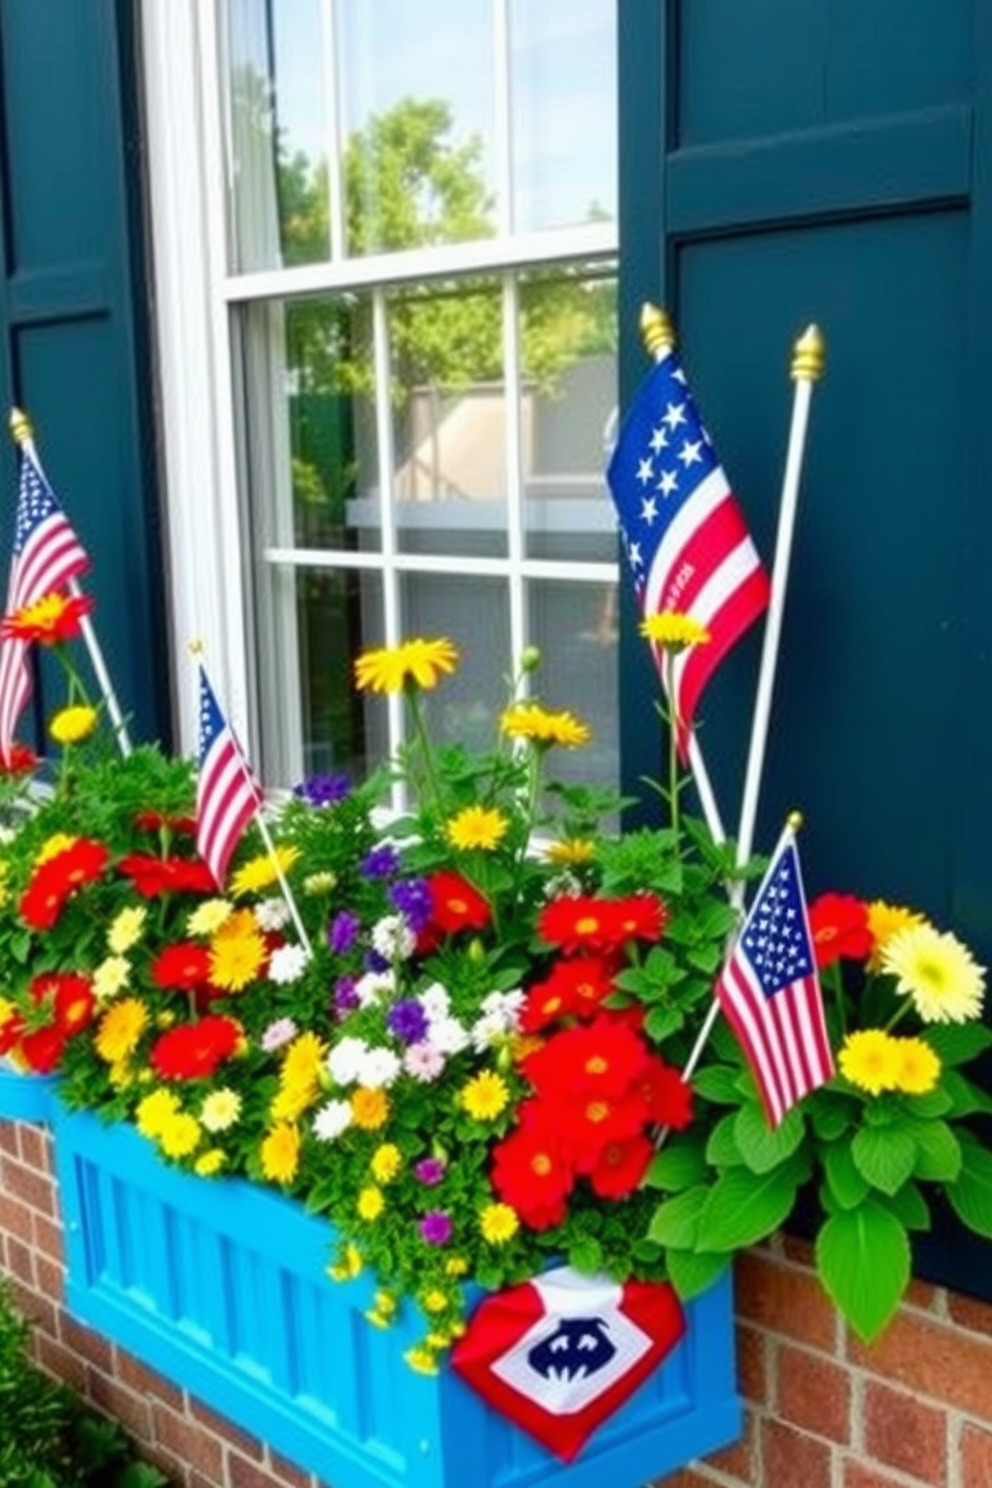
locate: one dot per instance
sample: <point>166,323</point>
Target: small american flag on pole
<point>226,794</point>
<point>47,555</point>
<point>770,993</point>
<point>684,535</point>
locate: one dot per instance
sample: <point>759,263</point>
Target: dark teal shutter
<point>73,344</point>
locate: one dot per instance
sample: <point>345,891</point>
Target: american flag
<point>47,555</point>
<point>770,992</point>
<point>226,794</point>
<point>685,538</point>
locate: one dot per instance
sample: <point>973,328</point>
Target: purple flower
<point>323,790</point>
<point>435,1228</point>
<point>381,862</point>
<point>345,995</point>
<point>412,898</point>
<point>408,1021</point>
<point>430,1170</point>
<point>342,930</point>
<point>374,961</point>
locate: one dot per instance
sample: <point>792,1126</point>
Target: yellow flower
<point>937,972</point>
<point>125,929</point>
<point>455,1266</point>
<point>369,1108</point>
<point>221,1109</point>
<point>418,662</point>
<point>531,721</point>
<point>869,1058</point>
<point>154,1110</point>
<point>348,1264</point>
<point>179,1135</point>
<point>386,1162</point>
<point>280,1153</point>
<point>4,877</point>
<point>477,827</point>
<point>379,1319</point>
<point>120,1076</point>
<point>299,1078</point>
<point>52,846</point>
<point>437,1341</point>
<point>674,631</point>
<point>884,920</point>
<point>485,1096</point>
<point>210,1163</point>
<point>498,1223</point>
<point>421,1360</point>
<point>435,1300</point>
<point>918,1068</point>
<point>370,1203</point>
<point>262,871</point>
<point>72,725</point>
<point>111,977</point>
<point>120,1028</point>
<point>237,952</point>
<point>208,917</point>
<point>570,851</point>
<point>319,883</point>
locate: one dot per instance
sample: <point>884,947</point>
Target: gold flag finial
<point>808,356</point>
<point>195,647</point>
<point>794,820</point>
<point>657,330</point>
<point>20,427</point>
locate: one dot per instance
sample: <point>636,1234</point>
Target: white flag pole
<point>20,428</point>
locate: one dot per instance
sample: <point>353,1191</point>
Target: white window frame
<point>195,296</point>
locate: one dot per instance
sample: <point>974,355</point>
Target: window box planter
<point>221,1286</point>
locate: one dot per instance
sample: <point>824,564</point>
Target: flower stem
<point>833,976</point>
<point>412,694</point>
<point>673,754</point>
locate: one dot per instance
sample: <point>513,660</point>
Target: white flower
<point>272,914</point>
<point>378,1067</point>
<point>370,988</point>
<point>125,930</point>
<point>423,1062</point>
<point>208,916</point>
<point>331,1120</point>
<point>345,1060</point>
<point>487,1031</point>
<point>393,938</point>
<point>286,964</point>
<point>448,1035</point>
<point>435,1002</point>
<point>111,977</point>
<point>278,1033</point>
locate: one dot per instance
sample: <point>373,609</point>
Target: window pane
<point>575,626</point>
<point>449,421</point>
<point>563,72</point>
<point>416,87</point>
<point>569,394</point>
<point>474,613</point>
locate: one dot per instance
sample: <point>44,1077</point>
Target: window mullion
<point>335,182</point>
<point>514,466</point>
<point>503,119</point>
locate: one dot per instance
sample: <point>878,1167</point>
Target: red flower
<point>575,924</point>
<point>598,1121</point>
<point>54,880</point>
<point>181,966</point>
<point>640,917</point>
<point>42,1049</point>
<point>532,1171</point>
<point>667,1096</point>
<point>456,904</point>
<point>53,618</point>
<point>839,926</point>
<point>575,986</point>
<point>155,821</point>
<point>621,1167</point>
<point>194,1050</point>
<point>69,999</point>
<point>19,760</point>
<point>601,1058</point>
<point>152,876</point>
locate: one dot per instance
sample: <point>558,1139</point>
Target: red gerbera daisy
<point>68,998</point>
<point>640,917</point>
<point>575,924</point>
<point>54,880</point>
<point>152,876</point>
<point>577,985</point>
<point>667,1096</point>
<point>839,926</point>
<point>456,904</point>
<point>19,760</point>
<point>42,1049</point>
<point>194,1050</point>
<point>594,1123</point>
<point>601,1058</point>
<point>155,821</point>
<point>621,1167</point>
<point>183,966</point>
<point>53,618</point>
<point>532,1172</point>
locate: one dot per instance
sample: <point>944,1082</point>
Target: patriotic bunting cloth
<point>226,795</point>
<point>684,536</point>
<point>559,1354</point>
<point>770,992</point>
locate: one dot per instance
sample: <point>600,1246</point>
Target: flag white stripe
<point>707,497</point>
<point>745,996</point>
<point>720,587</point>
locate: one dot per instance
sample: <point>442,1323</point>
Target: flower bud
<point>530,659</point>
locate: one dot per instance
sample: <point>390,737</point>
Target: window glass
<point>576,627</point>
<point>474,613</point>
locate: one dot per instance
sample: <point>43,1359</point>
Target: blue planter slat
<point>24,1097</point>
<point>221,1286</point>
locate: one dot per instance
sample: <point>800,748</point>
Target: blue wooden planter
<point>24,1097</point>
<point>221,1286</point>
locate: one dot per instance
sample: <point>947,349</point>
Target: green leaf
<point>938,1156</point>
<point>957,1043</point>
<point>884,1155</point>
<point>717,1083</point>
<point>676,1221</point>
<point>661,1023</point>
<point>910,1207</point>
<point>847,1186</point>
<point>691,1272</point>
<point>586,1255</point>
<point>675,1168</point>
<point>722,1150</point>
<point>970,1194</point>
<point>706,958</point>
<point>966,1097</point>
<point>863,1259</point>
<point>762,1148</point>
<point>936,1102</point>
<point>743,1207</point>
<point>831,1115</point>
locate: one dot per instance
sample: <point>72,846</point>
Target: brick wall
<point>822,1411</point>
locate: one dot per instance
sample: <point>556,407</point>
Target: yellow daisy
<point>300,1077</point>
<point>480,827</point>
<point>455,1266</point>
<point>421,1360</point>
<point>498,1223</point>
<point>120,1028</point>
<point>531,721</point>
<point>72,725</point>
<point>210,1163</point>
<point>111,977</point>
<point>485,1096</point>
<point>348,1264</point>
<point>418,662</point>
<point>674,631</point>
<point>369,1108</point>
<point>869,1058</point>
<point>262,872</point>
<point>221,1109</point>
<point>435,1300</point>
<point>179,1135</point>
<point>386,1162</point>
<point>280,1153</point>
<point>937,972</point>
<point>208,917</point>
<point>237,952</point>
<point>126,929</point>
<point>52,846</point>
<point>320,883</point>
<point>918,1067</point>
<point>154,1110</point>
<point>570,851</point>
<point>370,1203</point>
<point>884,920</point>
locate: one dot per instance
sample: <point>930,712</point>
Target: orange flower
<point>51,619</point>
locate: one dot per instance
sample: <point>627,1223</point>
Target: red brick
<point>903,1432</point>
<point>785,1300</point>
<point>8,1138</point>
<point>146,1381</point>
<point>15,1218</point>
<point>922,1295</point>
<point>857,1475</point>
<point>60,1362</point>
<point>969,1313</point>
<point>934,1360</point>
<point>231,1435</point>
<point>34,1148</point>
<point>813,1393</point>
<point>975,1458</point>
<point>685,1478</point>
<point>792,1459</point>
<point>288,1472</point>
<point>244,1474</point>
<point>794,1249</point>
<point>114,1399</point>
<point>23,1183</point>
<point>20,1260</point>
<point>739,1461</point>
<point>191,1442</point>
<point>51,1279</point>
<point>48,1237</point>
<point>83,1341</point>
<point>36,1309</point>
<point>752,1364</point>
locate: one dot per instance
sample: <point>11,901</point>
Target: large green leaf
<point>966,1097</point>
<point>957,1043</point>
<point>971,1193</point>
<point>847,1185</point>
<point>675,1168</point>
<point>676,1221</point>
<point>761,1147</point>
<point>661,1023</point>
<point>691,1272</point>
<point>910,1207</point>
<point>722,1150</point>
<point>743,1207</point>
<point>717,1083</point>
<point>938,1151</point>
<point>884,1155</point>
<point>863,1258</point>
<point>936,1102</point>
<point>831,1115</point>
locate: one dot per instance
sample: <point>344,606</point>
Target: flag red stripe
<point>747,603</point>
<point>50,558</point>
<point>741,1007</point>
<point>226,800</point>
